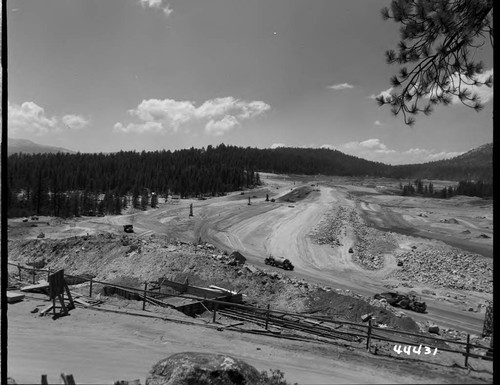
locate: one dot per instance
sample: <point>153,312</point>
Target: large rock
<point>200,369</point>
<point>237,257</point>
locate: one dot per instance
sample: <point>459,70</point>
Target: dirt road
<point>282,229</point>
<point>129,346</point>
<point>101,348</point>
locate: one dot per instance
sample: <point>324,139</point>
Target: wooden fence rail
<point>266,316</point>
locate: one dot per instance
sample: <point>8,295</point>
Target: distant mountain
<point>28,147</point>
<point>476,164</point>
<point>482,155</point>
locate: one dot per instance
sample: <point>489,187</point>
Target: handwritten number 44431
<point>416,349</point>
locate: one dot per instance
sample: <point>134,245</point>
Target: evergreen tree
<point>439,39</point>
<point>154,200</point>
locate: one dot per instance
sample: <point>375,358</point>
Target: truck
<point>402,301</point>
<point>281,263</point>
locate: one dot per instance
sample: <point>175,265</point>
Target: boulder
<point>202,368</point>
<point>434,329</point>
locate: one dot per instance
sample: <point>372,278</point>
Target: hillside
<point>476,164</point>
<point>315,228</point>
<point>26,146</point>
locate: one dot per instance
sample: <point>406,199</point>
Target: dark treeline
<point>474,189</point>
<point>71,184</point>
<point>311,161</point>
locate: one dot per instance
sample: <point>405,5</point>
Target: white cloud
<point>342,86</point>
<point>430,155</point>
<point>328,147</point>
<point>377,123</point>
<point>75,122</point>
<point>368,146</point>
<point>167,10</point>
<point>376,150</point>
<point>30,118</point>
<point>484,93</point>
<point>216,107</point>
<point>158,4</point>
<point>387,95</point>
<point>139,128</point>
<point>277,145</point>
<point>151,3</point>
<point>168,115</point>
<point>252,109</point>
<point>220,127</point>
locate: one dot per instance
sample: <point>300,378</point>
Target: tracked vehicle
<point>281,263</point>
<point>402,301</point>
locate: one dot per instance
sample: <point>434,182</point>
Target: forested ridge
<point>68,184</point>
<point>476,165</point>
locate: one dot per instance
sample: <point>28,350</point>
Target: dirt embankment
<point>369,245</point>
<point>129,260</point>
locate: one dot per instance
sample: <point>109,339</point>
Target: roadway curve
<point>282,229</point>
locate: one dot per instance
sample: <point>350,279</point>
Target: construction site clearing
<point>186,289</point>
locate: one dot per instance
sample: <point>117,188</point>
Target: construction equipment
<point>402,300</point>
<point>128,228</point>
<point>283,264</point>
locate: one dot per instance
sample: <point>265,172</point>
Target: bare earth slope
<point>315,224</point>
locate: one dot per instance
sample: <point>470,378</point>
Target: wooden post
<point>215,312</point>
<point>144,299</point>
<point>369,334</point>
<point>48,273</point>
<point>467,349</point>
<point>19,269</point>
<point>90,288</point>
<point>54,305</point>
<point>44,379</point>
<point>267,316</point>
<point>33,275</point>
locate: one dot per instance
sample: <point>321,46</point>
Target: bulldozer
<point>283,264</point>
<point>402,301</point>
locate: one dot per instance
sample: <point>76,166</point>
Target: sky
<point>111,75</point>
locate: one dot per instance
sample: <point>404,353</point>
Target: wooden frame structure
<point>57,287</point>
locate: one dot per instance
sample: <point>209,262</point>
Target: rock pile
<point>443,266</point>
<point>202,368</point>
<point>370,244</point>
<point>332,228</point>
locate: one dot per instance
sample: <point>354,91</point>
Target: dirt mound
<point>351,309</point>
<point>110,258</point>
<point>296,194</point>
